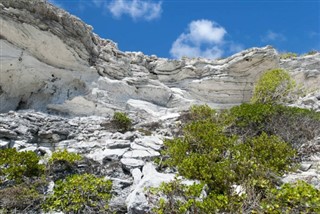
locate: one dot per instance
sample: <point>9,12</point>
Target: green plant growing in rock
<point>64,155</point>
<point>294,125</point>
<point>176,197</point>
<point>205,153</point>
<point>84,193</point>
<point>121,121</point>
<point>288,55</point>
<point>312,52</point>
<point>19,198</point>
<point>274,86</point>
<point>246,147</point>
<point>16,165</point>
<point>299,197</point>
<point>201,112</point>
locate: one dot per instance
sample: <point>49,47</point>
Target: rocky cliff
<point>52,62</point>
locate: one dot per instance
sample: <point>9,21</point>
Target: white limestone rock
<point>131,163</point>
<point>107,154</point>
<point>136,201</point>
<point>141,154</point>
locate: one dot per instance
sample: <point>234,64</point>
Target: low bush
<point>84,193</point>
<point>201,112</point>
<point>294,125</point>
<point>288,55</point>
<point>121,121</point>
<point>298,197</point>
<point>274,86</point>
<point>249,147</point>
<point>312,52</point>
<point>20,198</point>
<point>176,197</point>
<point>64,155</point>
<point>16,165</point>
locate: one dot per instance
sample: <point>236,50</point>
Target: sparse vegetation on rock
<point>121,121</point>
<point>80,194</point>
<point>16,165</point>
<point>288,55</point>
<point>64,155</point>
<point>216,153</point>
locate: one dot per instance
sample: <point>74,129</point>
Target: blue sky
<point>205,28</point>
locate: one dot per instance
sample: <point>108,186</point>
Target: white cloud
<point>98,3</point>
<point>136,9</point>
<point>204,38</point>
<point>272,36</point>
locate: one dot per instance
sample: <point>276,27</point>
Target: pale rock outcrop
<point>51,62</point>
<point>137,202</point>
<point>305,69</point>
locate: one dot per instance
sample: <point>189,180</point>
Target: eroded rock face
<point>305,70</point>
<point>51,61</point>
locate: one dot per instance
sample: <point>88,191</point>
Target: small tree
<point>274,86</point>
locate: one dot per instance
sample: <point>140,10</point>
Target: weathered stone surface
<point>141,153</point>
<point>136,201</point>
<point>305,70</point>
<point>131,163</point>
<point>53,63</point>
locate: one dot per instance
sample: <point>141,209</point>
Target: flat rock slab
<point>107,154</point>
<point>141,154</point>
<point>131,163</point>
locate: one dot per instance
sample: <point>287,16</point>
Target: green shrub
<point>294,125</point>
<point>312,52</point>
<point>176,197</point>
<point>299,197</point>
<point>288,55</point>
<point>263,154</point>
<point>121,121</point>
<point>64,155</point>
<point>211,152</point>
<point>205,153</point>
<point>16,165</point>
<point>274,86</point>
<point>20,198</point>
<point>202,153</point>
<point>80,194</point>
<point>201,112</point>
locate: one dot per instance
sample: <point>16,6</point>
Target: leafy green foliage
<point>288,55</point>
<point>202,154</point>
<point>19,198</point>
<point>176,197</point>
<point>245,146</point>
<point>299,197</point>
<point>201,112</point>
<point>16,165</point>
<point>80,193</point>
<point>64,155</point>
<point>292,124</point>
<point>274,86</point>
<point>263,154</point>
<point>122,121</point>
